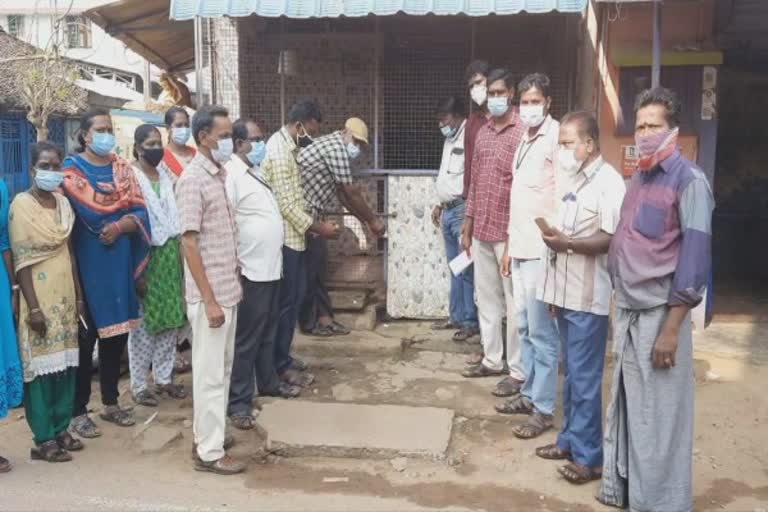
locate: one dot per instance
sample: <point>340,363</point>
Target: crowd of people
<point>558,242</point>
<point>225,245</point>
<point>103,252</point>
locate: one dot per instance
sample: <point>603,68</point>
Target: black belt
<point>448,205</point>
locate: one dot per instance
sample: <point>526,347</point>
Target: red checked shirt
<point>488,198</point>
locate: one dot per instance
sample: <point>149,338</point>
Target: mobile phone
<point>543,226</point>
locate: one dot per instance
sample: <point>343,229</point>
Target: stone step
<point>297,428</point>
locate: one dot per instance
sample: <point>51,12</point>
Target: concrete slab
<point>312,429</point>
<point>158,437</point>
<point>348,300</point>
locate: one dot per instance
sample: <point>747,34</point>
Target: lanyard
<point>249,173</point>
<point>521,156</point>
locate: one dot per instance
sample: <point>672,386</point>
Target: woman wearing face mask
<point>10,367</point>
<point>111,243</point>
<point>41,221</point>
<point>162,306</point>
<point>177,154</point>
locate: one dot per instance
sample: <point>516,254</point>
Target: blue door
<point>17,136</point>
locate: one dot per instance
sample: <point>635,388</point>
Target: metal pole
<point>376,92</point>
<point>147,83</point>
<point>656,63</point>
<point>199,96</point>
<point>282,66</point>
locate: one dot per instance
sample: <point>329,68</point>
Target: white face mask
<point>567,161</point>
<point>532,115</point>
<point>353,150</point>
<point>224,152</point>
<point>479,94</point>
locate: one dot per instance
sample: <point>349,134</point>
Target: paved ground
<point>486,468</point>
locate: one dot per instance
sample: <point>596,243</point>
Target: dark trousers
<point>316,301</point>
<point>254,362</point>
<point>110,354</point>
<point>292,290</point>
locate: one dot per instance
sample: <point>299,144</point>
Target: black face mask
<point>305,140</point>
<point>152,156</point>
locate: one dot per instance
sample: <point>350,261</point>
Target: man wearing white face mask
<point>533,196</point>
<point>326,169</point>
<point>574,281</point>
<point>477,81</point>
<point>212,285</point>
<point>260,243</point>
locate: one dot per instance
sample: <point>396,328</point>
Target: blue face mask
<point>180,135</point>
<point>447,131</point>
<point>353,150</point>
<point>103,143</point>
<point>257,153</point>
<point>498,105</point>
<point>48,180</point>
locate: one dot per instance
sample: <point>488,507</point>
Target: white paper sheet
<point>460,263</point>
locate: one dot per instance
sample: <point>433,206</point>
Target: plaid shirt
<point>324,166</point>
<point>492,161</point>
<point>281,172</point>
<point>204,209</point>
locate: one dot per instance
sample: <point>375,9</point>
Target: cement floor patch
<point>299,428</point>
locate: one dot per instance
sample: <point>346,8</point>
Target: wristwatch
<point>570,246</point>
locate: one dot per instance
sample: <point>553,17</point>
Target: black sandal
<point>517,405</point>
<point>553,452</point>
<point>175,391</point>
<point>339,329</point>
<point>243,421</point>
<point>578,474</point>
<point>5,465</point>
<point>507,387</point>
<point>475,372</point>
<point>69,443</point>
<point>50,451</point>
<point>534,426</point>
<point>321,331</point>
<point>120,417</point>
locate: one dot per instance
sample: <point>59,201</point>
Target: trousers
<point>212,355</point>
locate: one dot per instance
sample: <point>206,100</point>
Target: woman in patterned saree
<point>111,243</point>
<point>40,224</point>
<point>10,367</point>
<point>162,307</point>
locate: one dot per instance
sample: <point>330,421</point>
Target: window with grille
<point>78,30</point>
<point>16,26</point>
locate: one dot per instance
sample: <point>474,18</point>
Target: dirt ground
<point>486,467</point>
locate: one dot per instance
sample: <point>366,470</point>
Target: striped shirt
<point>591,203</point>
<point>661,252</point>
<point>281,172</point>
<point>204,209</point>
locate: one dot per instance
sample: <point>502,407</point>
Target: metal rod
<point>376,92</point>
<point>281,67</point>
<point>656,63</point>
<point>147,83</point>
<point>199,96</point>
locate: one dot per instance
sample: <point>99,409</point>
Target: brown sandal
<point>534,426</point>
<point>69,443</point>
<point>50,452</point>
<point>475,372</point>
<point>578,474</point>
<point>517,405</point>
<point>553,452</point>
<point>5,465</point>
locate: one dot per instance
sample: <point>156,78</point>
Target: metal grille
<point>392,72</point>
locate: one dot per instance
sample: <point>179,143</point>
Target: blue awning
<point>188,9</point>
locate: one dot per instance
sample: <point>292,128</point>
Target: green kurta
<point>164,306</point>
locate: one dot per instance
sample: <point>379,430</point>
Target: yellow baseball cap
<point>357,128</point>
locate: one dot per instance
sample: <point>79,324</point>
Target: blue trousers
<point>463,310</point>
<point>538,338</point>
<point>292,289</point>
<point>584,338</point>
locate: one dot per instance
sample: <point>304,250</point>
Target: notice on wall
<point>628,160</point>
<point>708,93</point>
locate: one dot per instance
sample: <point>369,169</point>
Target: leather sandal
<point>5,465</point>
<point>243,421</point>
<point>49,451</point>
<point>578,474</point>
<point>517,405</point>
<point>120,417</point>
<point>224,466</point>
<point>474,372</point>
<point>508,386</point>
<point>553,452</point>
<point>69,443</point>
<point>534,426</point>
